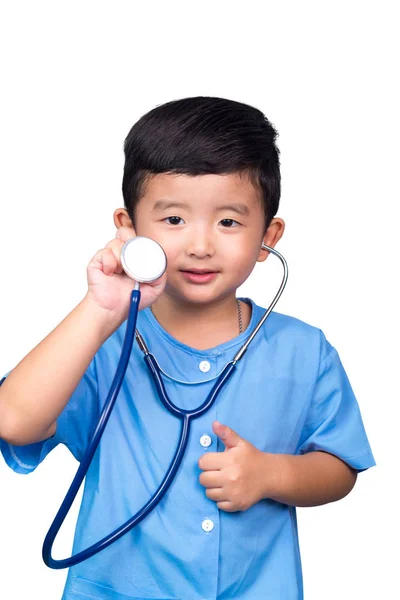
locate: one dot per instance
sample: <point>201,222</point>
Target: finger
<point>125,233</point>
<point>105,260</point>
<point>212,461</point>
<point>158,284</point>
<point>226,506</point>
<point>115,243</point>
<point>116,246</point>
<point>210,479</point>
<point>216,494</point>
<point>228,436</point>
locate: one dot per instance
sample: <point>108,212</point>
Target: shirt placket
<point>203,441</point>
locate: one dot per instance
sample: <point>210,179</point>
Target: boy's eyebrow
<point>239,208</point>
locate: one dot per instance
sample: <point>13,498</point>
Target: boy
<point>201,178</point>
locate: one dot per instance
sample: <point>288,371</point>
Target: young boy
<point>202,179</point>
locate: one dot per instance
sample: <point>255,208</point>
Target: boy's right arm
<point>40,386</point>
<point>37,390</point>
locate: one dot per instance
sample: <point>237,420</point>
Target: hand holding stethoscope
<point>110,287</point>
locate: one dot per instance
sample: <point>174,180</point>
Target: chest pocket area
<point>83,589</point>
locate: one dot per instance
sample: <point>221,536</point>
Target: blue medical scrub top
<point>289,394</point>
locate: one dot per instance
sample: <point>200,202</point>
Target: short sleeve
<point>74,426</point>
<point>334,423</point>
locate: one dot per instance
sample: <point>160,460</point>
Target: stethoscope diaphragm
<point>143,259</point>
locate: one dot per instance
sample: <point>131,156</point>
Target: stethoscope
<point>144,261</point>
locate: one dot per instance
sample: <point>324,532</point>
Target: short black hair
<point>201,135</point>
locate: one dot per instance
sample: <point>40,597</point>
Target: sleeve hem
<point>359,462</point>
<point>14,462</point>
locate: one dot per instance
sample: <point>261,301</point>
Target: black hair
<point>196,136</point>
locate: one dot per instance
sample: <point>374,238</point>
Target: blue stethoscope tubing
<point>186,416</point>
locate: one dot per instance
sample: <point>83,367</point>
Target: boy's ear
<point>272,237</point>
<point>122,219</point>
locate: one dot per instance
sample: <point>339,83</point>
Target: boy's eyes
<point>175,221</point>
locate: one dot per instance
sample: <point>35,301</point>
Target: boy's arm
<point>308,480</point>
<point>243,475</point>
<point>39,387</point>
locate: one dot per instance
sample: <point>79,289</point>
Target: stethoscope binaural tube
<point>185,416</point>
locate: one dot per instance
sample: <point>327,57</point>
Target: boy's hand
<point>236,478</point>
<point>109,285</point>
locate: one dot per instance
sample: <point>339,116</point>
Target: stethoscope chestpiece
<point>143,259</point>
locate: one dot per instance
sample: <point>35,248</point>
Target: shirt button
<point>204,366</point>
<point>205,441</point>
<point>207,525</point>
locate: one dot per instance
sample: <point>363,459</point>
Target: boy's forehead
<point>192,188</point>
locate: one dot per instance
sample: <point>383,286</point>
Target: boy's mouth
<point>199,271</point>
<point>199,275</point>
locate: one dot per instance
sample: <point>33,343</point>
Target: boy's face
<point>210,222</point>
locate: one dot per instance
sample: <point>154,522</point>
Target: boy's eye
<point>175,219</point>
<point>229,222</point>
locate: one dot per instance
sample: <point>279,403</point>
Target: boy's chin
<point>197,297</point>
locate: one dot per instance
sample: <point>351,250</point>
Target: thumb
<point>229,437</point>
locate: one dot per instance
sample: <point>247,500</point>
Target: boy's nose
<point>200,244</point>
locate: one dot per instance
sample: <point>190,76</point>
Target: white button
<point>207,525</point>
<point>204,366</point>
<point>205,441</point>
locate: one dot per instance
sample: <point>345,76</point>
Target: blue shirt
<point>289,394</point>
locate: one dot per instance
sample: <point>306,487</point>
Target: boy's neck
<point>201,326</point>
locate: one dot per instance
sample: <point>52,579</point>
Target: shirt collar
<point>216,350</point>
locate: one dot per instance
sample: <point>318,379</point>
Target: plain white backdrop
<point>75,77</point>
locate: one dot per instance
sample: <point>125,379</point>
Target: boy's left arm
<point>243,475</point>
<point>310,479</point>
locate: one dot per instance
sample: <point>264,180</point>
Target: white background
<point>75,77</point>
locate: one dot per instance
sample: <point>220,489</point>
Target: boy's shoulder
<point>294,334</point>
<point>285,323</point>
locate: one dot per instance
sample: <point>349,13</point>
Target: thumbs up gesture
<point>236,478</point>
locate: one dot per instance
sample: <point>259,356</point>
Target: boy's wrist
<point>107,321</point>
<point>277,476</point>
<point>310,479</point>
